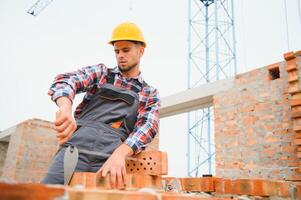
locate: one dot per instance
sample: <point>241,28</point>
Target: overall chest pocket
<point>112,95</point>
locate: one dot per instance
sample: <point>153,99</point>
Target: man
<point>117,118</point>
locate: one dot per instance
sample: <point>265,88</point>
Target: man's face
<point>128,55</point>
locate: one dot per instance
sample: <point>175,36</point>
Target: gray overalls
<point>95,138</point>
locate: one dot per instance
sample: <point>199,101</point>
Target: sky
<point>70,34</point>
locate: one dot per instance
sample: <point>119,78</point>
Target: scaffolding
<point>211,56</point>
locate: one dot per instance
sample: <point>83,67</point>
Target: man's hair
<point>133,41</point>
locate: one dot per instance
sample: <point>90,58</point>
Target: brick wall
<point>31,148</point>
<point>3,150</point>
<point>253,127</point>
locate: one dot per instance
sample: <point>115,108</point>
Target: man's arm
<point>72,83</point>
<point>145,130</point>
<point>64,123</point>
<point>63,91</point>
<point>147,124</point>
<point>115,166</point>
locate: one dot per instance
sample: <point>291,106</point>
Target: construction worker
<point>117,118</point>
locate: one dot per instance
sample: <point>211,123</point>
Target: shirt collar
<point>138,77</point>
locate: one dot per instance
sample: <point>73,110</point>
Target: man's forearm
<point>64,101</point>
<point>124,150</point>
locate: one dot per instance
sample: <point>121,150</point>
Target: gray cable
<point>285,10</point>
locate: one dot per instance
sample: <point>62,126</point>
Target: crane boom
<point>38,7</point>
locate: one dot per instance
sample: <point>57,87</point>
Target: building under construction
<point>257,139</point>
<point>253,118</point>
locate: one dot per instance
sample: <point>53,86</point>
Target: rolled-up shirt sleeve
<point>71,83</point>
<point>147,124</point>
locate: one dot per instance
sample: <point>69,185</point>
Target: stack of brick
<point>143,181</point>
<point>294,89</point>
<point>143,170</point>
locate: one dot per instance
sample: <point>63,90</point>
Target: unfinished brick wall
<point>31,148</point>
<point>3,150</point>
<point>254,134</point>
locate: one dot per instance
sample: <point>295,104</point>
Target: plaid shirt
<point>83,80</point>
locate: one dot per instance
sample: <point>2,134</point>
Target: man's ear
<point>141,50</point>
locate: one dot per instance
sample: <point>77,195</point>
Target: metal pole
<point>216,41</point>
<point>207,43</point>
<point>207,80</point>
<point>233,38</point>
<point>188,86</point>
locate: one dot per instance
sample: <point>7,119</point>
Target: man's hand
<point>115,166</point>
<point>64,123</point>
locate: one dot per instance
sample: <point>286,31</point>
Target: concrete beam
<point>193,99</point>
<point>5,135</point>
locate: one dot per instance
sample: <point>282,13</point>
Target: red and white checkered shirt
<point>85,79</point>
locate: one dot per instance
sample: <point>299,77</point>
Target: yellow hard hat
<point>127,31</point>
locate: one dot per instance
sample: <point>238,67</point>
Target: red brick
<point>279,188</point>
<point>202,184</point>
<point>284,189</point>
<point>293,88</point>
<point>274,65</point>
<point>261,107</point>
<point>294,177</point>
<point>87,179</point>
<point>170,196</point>
<point>293,164</point>
<point>296,114</point>
<point>132,181</point>
<point>291,65</point>
<point>293,76</point>
<point>296,96</point>
<point>298,148</point>
<point>76,194</point>
<point>289,55</point>
<point>289,149</point>
<point>223,186</point>
<point>241,186</point>
<point>30,191</point>
<point>297,124</point>
<point>148,162</point>
<point>295,102</point>
<point>298,53</point>
<point>298,192</point>
<point>297,134</point>
<point>248,187</point>
<point>249,120</point>
<point>296,108</point>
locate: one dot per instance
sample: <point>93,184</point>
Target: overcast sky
<point>70,34</point>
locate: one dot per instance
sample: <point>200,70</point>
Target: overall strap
<point>111,79</point>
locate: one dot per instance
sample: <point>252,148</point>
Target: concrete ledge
<point>193,99</point>
<point>5,135</point>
